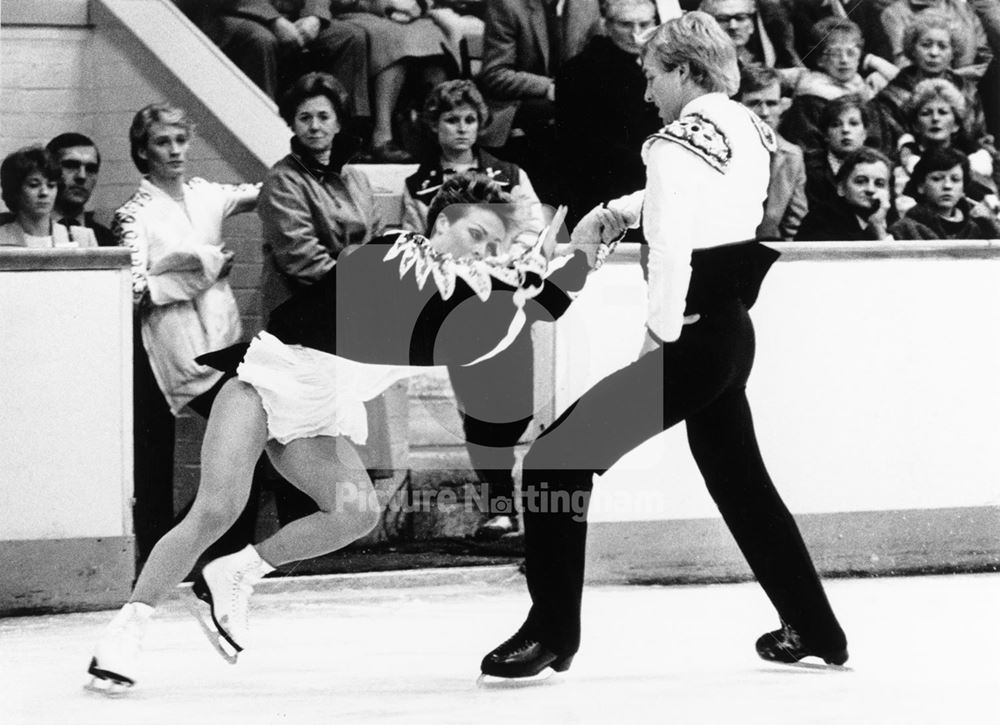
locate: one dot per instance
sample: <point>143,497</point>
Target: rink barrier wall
<point>66,425</point>
<point>875,396</point>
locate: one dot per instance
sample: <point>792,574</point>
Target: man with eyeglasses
<point>761,32</point>
<point>80,162</point>
<point>602,118</point>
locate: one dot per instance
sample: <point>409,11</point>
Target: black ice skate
<point>201,608</point>
<point>785,646</point>
<point>106,682</point>
<point>521,659</point>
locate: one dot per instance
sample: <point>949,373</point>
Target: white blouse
<point>177,257</point>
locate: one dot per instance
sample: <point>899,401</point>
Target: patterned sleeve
<point>129,230</point>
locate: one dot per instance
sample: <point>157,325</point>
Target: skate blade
<point>107,683</point>
<point>202,612</point>
<point>813,666</point>
<point>548,676</point>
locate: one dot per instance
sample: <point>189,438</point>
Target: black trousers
<point>496,404</point>
<point>701,379</point>
<point>153,455</point>
<point>341,49</point>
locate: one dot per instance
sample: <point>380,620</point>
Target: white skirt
<point>309,393</point>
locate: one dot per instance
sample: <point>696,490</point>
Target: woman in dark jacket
<point>312,205</point>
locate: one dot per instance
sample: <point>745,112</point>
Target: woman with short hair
<point>29,182</point>
<point>313,204</point>
<point>454,112</point>
<point>496,398</point>
<point>931,44</point>
<point>937,116</point>
<point>297,391</point>
<point>182,301</point>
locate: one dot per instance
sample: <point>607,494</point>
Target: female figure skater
<point>495,399</point>
<point>299,390</point>
<point>698,353</point>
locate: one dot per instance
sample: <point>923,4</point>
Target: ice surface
<point>923,650</point>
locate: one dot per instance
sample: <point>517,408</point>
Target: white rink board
<point>65,404</point>
<point>875,387</point>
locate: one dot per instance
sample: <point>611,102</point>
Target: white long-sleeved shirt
<point>177,256</point>
<point>706,183</point>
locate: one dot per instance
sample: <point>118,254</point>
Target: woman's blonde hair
<point>138,133</point>
<point>933,89</point>
<point>695,38</point>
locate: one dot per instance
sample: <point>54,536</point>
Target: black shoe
<point>523,656</point>
<point>497,527</point>
<point>784,645</point>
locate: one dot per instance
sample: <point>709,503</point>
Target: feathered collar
<point>523,268</point>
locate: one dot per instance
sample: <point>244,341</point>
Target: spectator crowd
<point>886,114</point>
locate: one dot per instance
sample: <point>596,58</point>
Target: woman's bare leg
<point>331,472</point>
<point>234,439</point>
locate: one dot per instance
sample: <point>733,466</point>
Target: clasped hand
<point>600,225</point>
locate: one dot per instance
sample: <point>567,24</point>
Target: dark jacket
<point>516,55</point>
<point>309,214</point>
<point>602,120</point>
<point>786,203</point>
<point>891,103</point>
<point>834,222</point>
<point>921,222</point>
<point>105,237</point>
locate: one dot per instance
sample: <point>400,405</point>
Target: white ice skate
<point>113,666</point>
<point>223,589</point>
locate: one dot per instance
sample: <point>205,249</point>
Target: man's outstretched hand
<point>600,225</point>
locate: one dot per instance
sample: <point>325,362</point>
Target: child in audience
<point>844,123</point>
<point>943,211</point>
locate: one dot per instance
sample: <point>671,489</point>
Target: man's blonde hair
<point>696,39</point>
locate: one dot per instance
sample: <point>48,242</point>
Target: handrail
<point>840,251</point>
<point>159,28</point>
<point>21,259</point>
